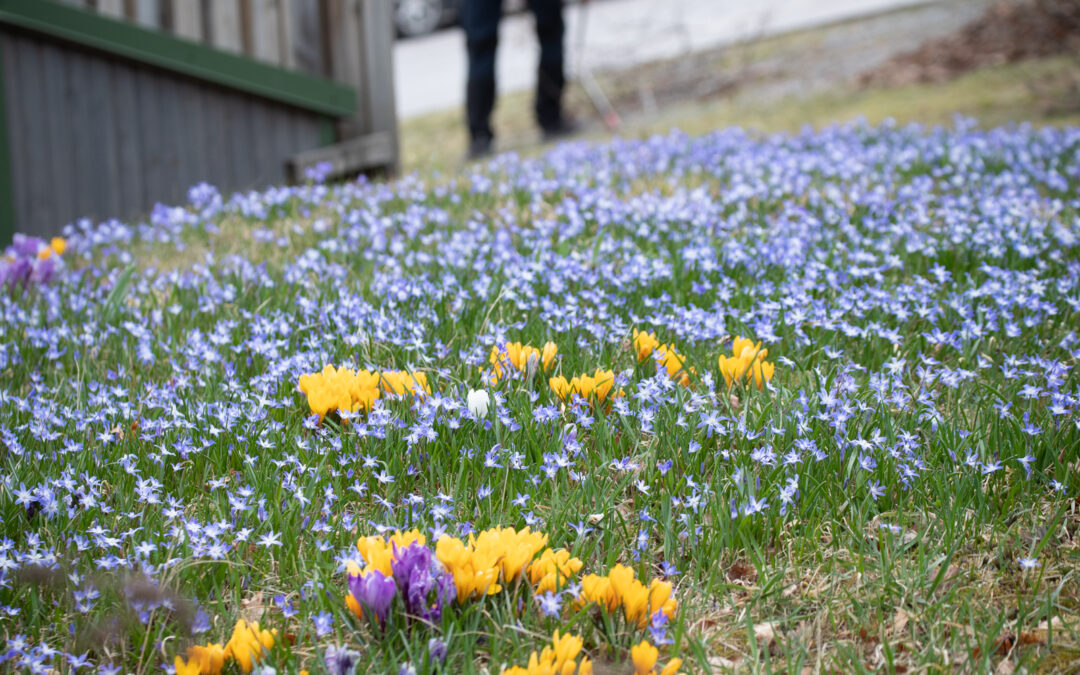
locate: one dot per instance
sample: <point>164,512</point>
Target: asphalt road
<point>430,71</point>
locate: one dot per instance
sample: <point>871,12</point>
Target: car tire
<point>417,17</point>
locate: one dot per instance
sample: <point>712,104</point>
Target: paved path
<point>430,71</point>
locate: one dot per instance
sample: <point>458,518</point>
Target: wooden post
<point>377,70</point>
<point>344,36</point>
<point>361,49</point>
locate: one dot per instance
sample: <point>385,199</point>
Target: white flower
<point>478,402</point>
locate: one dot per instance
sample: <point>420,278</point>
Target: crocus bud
<point>478,402</point>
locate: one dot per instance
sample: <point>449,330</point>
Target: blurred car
<point>420,17</point>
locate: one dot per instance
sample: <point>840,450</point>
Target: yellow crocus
<point>746,362</point>
<point>644,344</point>
<point>210,658</point>
<point>644,656</point>
<point>189,668</point>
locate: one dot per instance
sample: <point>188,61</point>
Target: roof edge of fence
<point>181,56</point>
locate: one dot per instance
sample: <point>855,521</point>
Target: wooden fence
<point>110,106</point>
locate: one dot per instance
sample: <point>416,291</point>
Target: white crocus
<point>478,402</point>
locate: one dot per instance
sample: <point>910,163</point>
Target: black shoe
<point>564,128</point>
<point>479,147</point>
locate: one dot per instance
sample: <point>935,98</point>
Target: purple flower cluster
<point>374,591</point>
<point>424,585</point>
<point>30,260</point>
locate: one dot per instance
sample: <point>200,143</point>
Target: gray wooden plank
<point>172,140</point>
<point>148,13</point>
<point>77,119</point>
<point>10,78</point>
<point>114,8</point>
<point>150,158</point>
<point>286,29</point>
<point>105,167</point>
<point>216,142</point>
<point>306,34</point>
<point>192,113</point>
<point>225,25</point>
<point>376,87</point>
<point>265,31</point>
<point>127,131</point>
<point>237,127</point>
<point>350,156</point>
<point>346,58</point>
<point>187,21</point>
<point>60,169</point>
<point>259,151</point>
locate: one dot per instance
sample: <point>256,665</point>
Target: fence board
<point>309,37</point>
<point>54,83</point>
<point>148,13</point>
<point>343,32</point>
<point>286,27</point>
<point>111,7</point>
<point>103,183</point>
<point>78,152</point>
<point>187,20</point>
<point>265,31</point>
<point>12,59</point>
<point>225,25</point>
<point>129,180</point>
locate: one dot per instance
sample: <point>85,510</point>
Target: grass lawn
<point>1044,91</point>
<point>694,402</point>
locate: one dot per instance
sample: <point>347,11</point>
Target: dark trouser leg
<point>480,19</point>
<point>550,79</point>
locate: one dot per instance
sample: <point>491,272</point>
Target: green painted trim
<point>7,190</point>
<point>181,56</point>
<point>327,132</point>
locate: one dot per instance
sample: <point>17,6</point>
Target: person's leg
<point>480,19</point>
<point>550,78</point>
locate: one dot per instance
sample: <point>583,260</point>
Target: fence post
<point>377,33</point>
<point>361,50</point>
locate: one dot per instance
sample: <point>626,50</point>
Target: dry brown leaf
<point>765,633</point>
<point>900,621</point>
<point>719,662</point>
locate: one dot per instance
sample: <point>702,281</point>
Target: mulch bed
<point>1005,33</point>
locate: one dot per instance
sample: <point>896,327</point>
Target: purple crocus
<point>340,660</point>
<point>374,591</point>
<point>424,584</point>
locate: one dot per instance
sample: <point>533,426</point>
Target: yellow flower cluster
<point>343,389</point>
<point>620,589</point>
<point>586,386</point>
<point>58,245</point>
<point>747,360</point>
<point>675,364</point>
<point>558,659</point>
<point>551,571</point>
<point>487,561</point>
<point>247,647</point>
<point>401,382</point>
<point>644,656</point>
<point>522,357</point>
<point>644,344</point>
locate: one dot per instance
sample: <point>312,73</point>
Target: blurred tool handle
<point>588,82</point>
